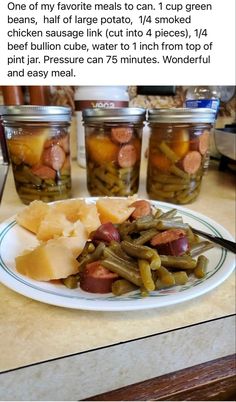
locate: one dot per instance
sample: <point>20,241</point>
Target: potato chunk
<point>47,261</point>
<point>75,243</point>
<point>114,210</point>
<point>31,216</point>
<point>54,224</point>
<point>28,148</point>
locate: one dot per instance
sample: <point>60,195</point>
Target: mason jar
<point>39,148</point>
<point>178,153</point>
<point>113,141</point>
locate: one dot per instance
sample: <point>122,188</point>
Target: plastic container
<point>203,97</point>
<point>178,153</point>
<point>38,144</point>
<point>113,140</point>
<point>93,97</point>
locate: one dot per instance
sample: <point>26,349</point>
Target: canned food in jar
<point>39,149</point>
<point>178,153</point>
<point>113,139</point>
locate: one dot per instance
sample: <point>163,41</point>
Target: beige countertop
<point>39,340</point>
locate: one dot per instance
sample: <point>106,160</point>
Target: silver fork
<point>229,245</point>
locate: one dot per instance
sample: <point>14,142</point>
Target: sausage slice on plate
<point>142,208</point>
<point>171,242</point>
<point>97,279</point>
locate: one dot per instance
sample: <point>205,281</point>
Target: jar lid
<point>124,114</point>
<point>181,115</point>
<point>26,113</point>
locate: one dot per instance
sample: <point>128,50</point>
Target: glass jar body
<point>178,155</point>
<point>113,154</point>
<point>40,157</point>
<point>93,97</point>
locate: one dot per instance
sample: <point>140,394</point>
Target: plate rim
<point>115,304</point>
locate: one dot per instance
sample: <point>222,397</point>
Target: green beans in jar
<point>113,139</point>
<point>178,153</point>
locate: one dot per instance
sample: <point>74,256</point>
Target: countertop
<point>53,353</point>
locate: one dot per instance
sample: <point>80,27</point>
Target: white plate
<point>14,239</point>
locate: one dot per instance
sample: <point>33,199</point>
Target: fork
<point>229,245</point>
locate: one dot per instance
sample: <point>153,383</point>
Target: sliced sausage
<point>65,143</point>
<point>192,162</point>
<point>127,156</point>
<point>54,157</point>
<point>204,142</point>
<point>142,208</point>
<point>171,242</point>
<point>66,166</point>
<point>122,135</point>
<point>44,172</point>
<point>106,233</point>
<point>97,279</point>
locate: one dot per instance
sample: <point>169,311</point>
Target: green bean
<point>90,257</point>
<point>175,187</point>
<point>178,172</point>
<point>42,193</point>
<point>163,193</point>
<point>181,278</point>
<point>137,251</point>
<point>107,178</point>
<point>49,182</point>
<point>56,188</point>
<point>145,272</point>
<point>146,222</point>
<point>143,291</point>
<point>30,176</point>
<point>108,253</point>
<point>199,248</point>
<point>158,212</point>
<point>122,286</point>
<point>70,282</point>
<point>125,171</point>
<point>183,262</point>
<point>134,179</point>
<point>155,262</point>
<point>126,228</point>
<point>171,224</point>
<point>156,186</point>
<point>131,275</point>
<point>168,152</point>
<point>169,214</point>
<point>115,189</point>
<point>185,198</point>
<point>116,247</point>
<point>161,224</point>
<point>88,248</point>
<point>174,219</point>
<point>190,235</point>
<point>165,277</point>
<point>145,237</point>
<point>201,267</point>
<point>99,187</point>
<point>109,167</point>
<point>169,179</point>
<point>160,285</point>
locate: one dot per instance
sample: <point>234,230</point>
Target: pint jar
<point>38,143</point>
<point>113,140</point>
<point>178,153</point>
